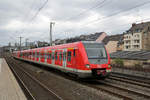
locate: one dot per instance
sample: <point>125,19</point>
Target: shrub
<point>119,62</point>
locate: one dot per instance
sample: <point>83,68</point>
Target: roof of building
<point>91,37</point>
<point>135,55</point>
<point>138,27</point>
<point>117,37</point>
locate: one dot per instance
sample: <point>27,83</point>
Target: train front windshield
<point>96,53</point>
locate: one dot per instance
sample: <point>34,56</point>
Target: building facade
<point>111,46</point>
<point>137,37</point>
<point>111,42</point>
<point>101,37</point>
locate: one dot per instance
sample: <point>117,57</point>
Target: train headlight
<point>87,66</point>
<point>109,66</point>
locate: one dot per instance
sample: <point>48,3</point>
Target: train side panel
<point>72,58</point>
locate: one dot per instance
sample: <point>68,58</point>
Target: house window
<point>127,47</point>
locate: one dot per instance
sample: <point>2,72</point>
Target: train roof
<point>75,44</point>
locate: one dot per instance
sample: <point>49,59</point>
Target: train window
<point>69,56</point>
<point>56,56</point>
<point>60,56</point>
<point>33,54</point>
<point>50,55</point>
<point>37,54</point>
<point>45,55</point>
<point>64,56</point>
<point>74,52</point>
<point>41,55</point>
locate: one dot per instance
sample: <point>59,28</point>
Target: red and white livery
<point>84,59</point>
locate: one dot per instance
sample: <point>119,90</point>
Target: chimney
<point>133,24</point>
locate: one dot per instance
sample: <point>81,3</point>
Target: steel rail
<point>129,81</point>
<point>127,90</point>
<point>41,84</point>
<point>129,78</point>
<point>28,93</point>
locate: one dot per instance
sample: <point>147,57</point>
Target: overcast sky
<point>30,18</point>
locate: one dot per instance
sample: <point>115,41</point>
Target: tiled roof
<point>91,37</point>
<point>139,55</point>
<point>138,27</point>
<point>117,37</point>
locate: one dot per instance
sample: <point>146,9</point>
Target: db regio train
<point>85,59</point>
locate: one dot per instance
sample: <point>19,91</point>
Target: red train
<point>83,59</point>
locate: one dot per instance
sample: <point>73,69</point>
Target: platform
<point>9,88</point>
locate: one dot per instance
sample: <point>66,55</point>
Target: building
<point>111,42</point>
<point>137,37</point>
<point>131,58</point>
<point>91,37</point>
<point>101,37</point>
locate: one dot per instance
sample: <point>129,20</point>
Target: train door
<point>60,57</point>
<point>37,55</point>
<point>56,57</point>
<point>49,59</point>
<point>33,55</point>
<point>71,59</point>
<point>30,53</point>
<point>45,55</point>
<point>64,58</point>
<point>42,58</point>
<point>18,54</point>
<point>53,58</point>
<point>22,54</point>
<point>74,58</point>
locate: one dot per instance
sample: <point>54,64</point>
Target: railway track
<point>106,90</point>
<point>126,91</point>
<point>120,92</point>
<point>32,85</point>
<point>117,91</point>
<point>128,80</point>
<point>131,78</point>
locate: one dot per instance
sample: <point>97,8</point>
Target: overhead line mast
<point>51,25</point>
<point>20,42</point>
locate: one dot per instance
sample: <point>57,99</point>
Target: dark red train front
<point>96,61</point>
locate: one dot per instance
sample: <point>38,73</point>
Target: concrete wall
<point>131,72</point>
<point>132,63</point>
<point>136,71</point>
<point>146,41</point>
<point>111,46</point>
<point>120,47</point>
